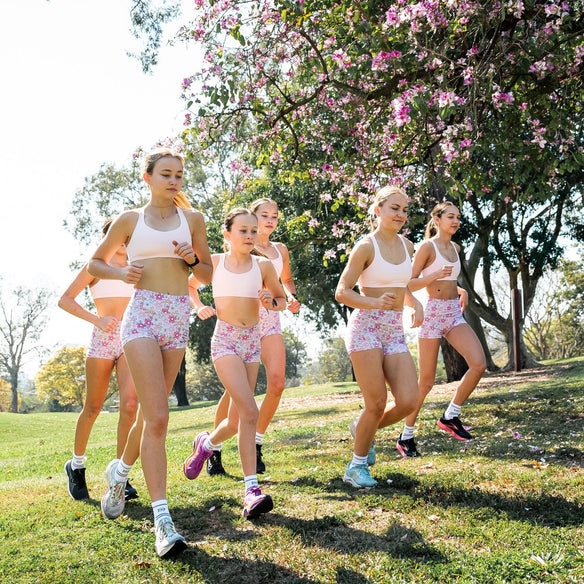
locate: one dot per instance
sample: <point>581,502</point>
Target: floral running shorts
<point>440,317</point>
<point>161,317</point>
<point>269,323</point>
<point>233,340</point>
<point>375,329</point>
<point>105,345</point>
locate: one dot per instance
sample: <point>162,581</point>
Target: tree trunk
<point>180,385</point>
<point>14,388</point>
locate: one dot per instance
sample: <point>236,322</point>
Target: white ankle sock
<point>78,461</point>
<point>250,481</point>
<point>358,460</point>
<point>122,471</point>
<point>408,432</point>
<point>452,411</point>
<point>259,438</point>
<point>160,510</point>
<point>208,445</point>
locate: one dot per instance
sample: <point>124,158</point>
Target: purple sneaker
<point>193,465</point>
<point>255,503</point>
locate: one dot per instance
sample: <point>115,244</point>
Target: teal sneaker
<point>371,456</point>
<point>359,477</point>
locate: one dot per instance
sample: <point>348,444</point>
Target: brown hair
<point>431,227</point>
<point>229,218</point>
<point>150,160</point>
<point>106,225</point>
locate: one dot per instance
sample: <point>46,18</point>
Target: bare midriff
<point>111,306</point>
<point>443,289</point>
<point>164,275</point>
<point>399,292</point>
<point>237,311</point>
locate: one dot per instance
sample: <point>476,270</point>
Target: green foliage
<point>62,378</point>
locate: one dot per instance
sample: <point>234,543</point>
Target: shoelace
<point>118,491</point>
<point>166,528</point>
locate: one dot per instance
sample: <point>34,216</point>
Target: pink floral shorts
<point>233,340</point>
<point>375,329</point>
<point>269,323</point>
<point>105,345</point>
<point>440,317</point>
<point>161,317</point>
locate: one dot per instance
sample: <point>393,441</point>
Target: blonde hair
<point>259,202</point>
<point>384,193</point>
<point>431,226</point>
<point>150,160</point>
<point>380,198</point>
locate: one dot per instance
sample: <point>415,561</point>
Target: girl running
<point>381,264</point>
<point>243,284</point>
<point>273,351</point>
<point>436,268</point>
<point>164,239</point>
<point>105,354</point>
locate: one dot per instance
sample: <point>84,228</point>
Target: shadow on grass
<point>220,570</point>
<point>333,533</point>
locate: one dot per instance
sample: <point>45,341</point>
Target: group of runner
<point>144,278</point>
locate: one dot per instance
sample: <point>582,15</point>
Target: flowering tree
<point>479,101</point>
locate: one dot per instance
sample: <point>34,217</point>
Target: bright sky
<point>71,100</point>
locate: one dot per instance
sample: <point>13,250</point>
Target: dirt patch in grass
<point>489,381</point>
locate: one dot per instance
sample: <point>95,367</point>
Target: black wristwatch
<point>194,263</point>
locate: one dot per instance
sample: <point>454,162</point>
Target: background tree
<point>22,322</point>
<point>5,396</point>
<point>555,325</point>
<point>296,355</point>
<point>340,97</point>
<point>61,380</point>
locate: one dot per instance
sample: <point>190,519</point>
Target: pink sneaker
<point>193,465</point>
<point>255,503</point>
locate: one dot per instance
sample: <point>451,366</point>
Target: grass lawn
<point>506,507</point>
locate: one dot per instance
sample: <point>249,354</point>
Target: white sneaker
<point>112,503</point>
<point>168,542</point>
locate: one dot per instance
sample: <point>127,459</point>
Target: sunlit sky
<point>71,100</point>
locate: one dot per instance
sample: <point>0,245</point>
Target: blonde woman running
<point>381,264</point>
<point>436,268</point>
<point>163,240</point>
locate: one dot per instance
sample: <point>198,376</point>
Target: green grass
<point>508,507</point>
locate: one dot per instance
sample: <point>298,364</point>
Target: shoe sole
<point>451,431</point>
<point>350,481</point>
<point>405,453</point>
<point>178,547</point>
<point>264,506</point>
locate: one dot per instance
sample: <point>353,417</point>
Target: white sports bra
<point>245,285</point>
<point>440,261</point>
<point>278,262</point>
<point>383,274</point>
<point>147,242</point>
<point>111,289</point>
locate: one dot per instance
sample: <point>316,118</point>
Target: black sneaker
<point>76,484</point>
<point>407,448</point>
<point>130,492</point>
<point>214,466</point>
<point>454,427</point>
<point>260,466</point>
